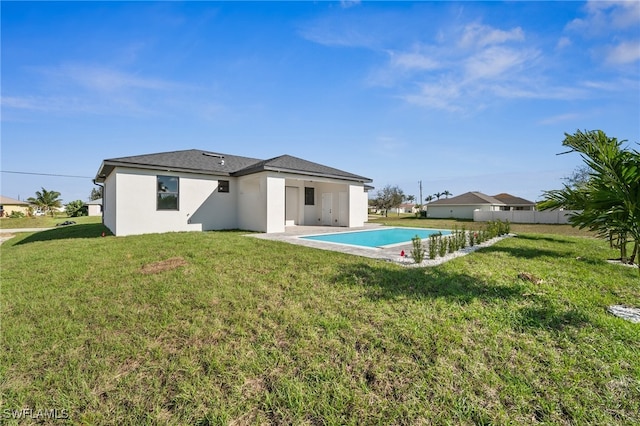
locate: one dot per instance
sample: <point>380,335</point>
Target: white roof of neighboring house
<point>97,202</point>
<point>12,201</point>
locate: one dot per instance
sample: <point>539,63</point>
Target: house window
<point>309,196</point>
<point>168,192</point>
<point>223,186</point>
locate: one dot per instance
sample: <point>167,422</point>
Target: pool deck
<point>292,234</point>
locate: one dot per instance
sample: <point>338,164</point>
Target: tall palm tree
<point>446,193</point>
<point>46,200</point>
<point>429,198</point>
<point>438,195</point>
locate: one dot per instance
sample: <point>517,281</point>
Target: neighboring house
<point>514,203</point>
<point>195,190</point>
<point>405,208</point>
<point>10,205</point>
<point>94,207</point>
<point>463,206</point>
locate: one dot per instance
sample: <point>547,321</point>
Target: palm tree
<point>438,195</point>
<point>429,198</point>
<point>446,193</point>
<point>46,200</point>
<point>609,199</point>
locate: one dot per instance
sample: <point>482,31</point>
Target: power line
<point>46,174</point>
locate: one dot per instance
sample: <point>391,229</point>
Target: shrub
<point>433,245</point>
<point>442,246</point>
<point>418,251</point>
<point>16,214</point>
<point>76,208</point>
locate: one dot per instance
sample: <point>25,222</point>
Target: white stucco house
<point>463,206</point>
<point>94,207</point>
<point>195,190</point>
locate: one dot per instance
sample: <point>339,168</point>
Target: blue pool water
<point>377,237</point>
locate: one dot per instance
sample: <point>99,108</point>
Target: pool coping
<point>391,254</point>
<point>393,246</point>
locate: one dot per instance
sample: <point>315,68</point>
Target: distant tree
<point>438,195</point>
<point>446,193</point>
<point>388,198</point>
<point>410,198</point>
<point>429,198</point>
<point>46,200</point>
<point>96,194</point>
<point>76,208</point>
<point>579,177</point>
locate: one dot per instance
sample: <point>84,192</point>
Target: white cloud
<point>608,15</point>
<point>564,42</point>
<point>104,79</point>
<point>96,90</point>
<point>477,35</point>
<point>413,61</point>
<point>559,118</point>
<point>603,18</point>
<point>345,4</point>
<point>496,61</point>
<point>443,95</point>
<point>624,53</point>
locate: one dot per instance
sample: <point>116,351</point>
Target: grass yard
<point>219,328</point>
<point>44,221</point>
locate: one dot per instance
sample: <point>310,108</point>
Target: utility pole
<point>421,200</point>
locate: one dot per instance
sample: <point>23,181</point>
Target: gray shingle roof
<point>512,200</point>
<point>468,198</point>
<point>198,161</point>
<point>12,201</point>
<point>288,163</point>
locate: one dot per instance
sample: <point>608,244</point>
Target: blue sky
<point>468,96</point>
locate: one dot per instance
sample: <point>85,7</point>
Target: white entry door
<point>327,208</point>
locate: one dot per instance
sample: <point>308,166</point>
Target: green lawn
<point>44,221</point>
<point>217,328</point>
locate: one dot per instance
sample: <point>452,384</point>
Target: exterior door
<point>327,209</point>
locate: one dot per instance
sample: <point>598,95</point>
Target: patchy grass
<point>44,221</point>
<point>247,331</point>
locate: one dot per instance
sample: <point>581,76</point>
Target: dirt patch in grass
<point>163,265</point>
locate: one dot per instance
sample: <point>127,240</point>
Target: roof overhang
<point>108,166</point>
<point>359,179</point>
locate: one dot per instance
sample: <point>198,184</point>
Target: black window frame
<point>158,192</point>
<point>309,196</point>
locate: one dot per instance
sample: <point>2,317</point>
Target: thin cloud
<point>496,61</point>
<point>559,118</point>
<point>477,35</point>
<point>104,79</point>
<point>90,89</point>
<point>413,61</point>
<point>624,53</point>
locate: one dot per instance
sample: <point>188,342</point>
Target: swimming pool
<point>376,238</point>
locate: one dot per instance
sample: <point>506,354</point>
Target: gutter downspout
<point>103,199</point>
